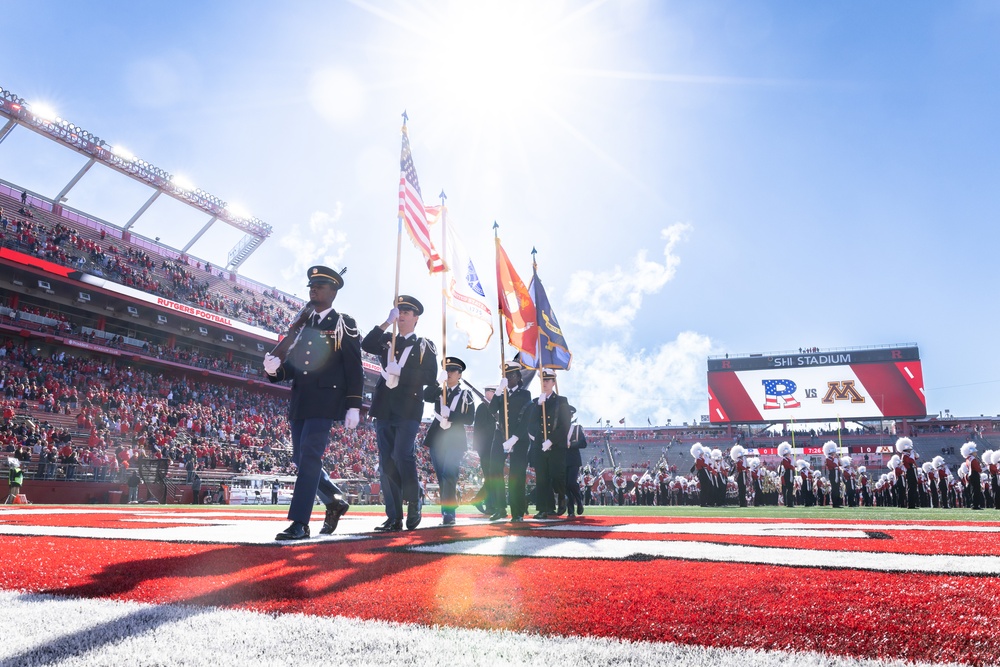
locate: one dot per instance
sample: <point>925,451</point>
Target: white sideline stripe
<point>215,529</point>
<point>765,529</point>
<point>614,549</point>
<point>74,632</point>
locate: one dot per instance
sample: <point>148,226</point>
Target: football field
<point>150,585</point>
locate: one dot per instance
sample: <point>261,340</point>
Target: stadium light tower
<point>44,121</point>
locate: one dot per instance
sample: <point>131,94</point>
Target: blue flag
<point>554,353</point>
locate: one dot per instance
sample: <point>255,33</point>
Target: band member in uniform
<point>833,472</point>
<point>755,485</point>
<point>995,476</point>
<point>588,486</point>
<point>806,484</point>
<point>398,405</point>
<point>787,474</point>
<point>511,438</point>
<point>975,482</point>
<point>662,485</point>
<point>701,469</point>
<point>620,483</point>
<point>740,472</point>
<point>905,448</point>
<point>942,480</point>
<point>866,493</point>
<point>323,362</point>
<point>898,481</point>
<point>446,435</point>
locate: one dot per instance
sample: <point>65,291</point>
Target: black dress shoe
<point>482,508</point>
<point>542,515</point>
<point>562,509</point>
<point>389,526</point>
<point>448,521</point>
<point>414,514</point>
<point>498,516</point>
<point>334,511</point>
<point>579,510</point>
<point>517,519</point>
<point>296,531</point>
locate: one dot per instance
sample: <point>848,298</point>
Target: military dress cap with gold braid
<point>548,374</point>
<point>405,301</point>
<point>454,364</point>
<point>324,274</point>
<point>512,367</point>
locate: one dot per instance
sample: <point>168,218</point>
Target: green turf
<point>686,511</point>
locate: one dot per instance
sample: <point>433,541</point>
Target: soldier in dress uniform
<point>548,424</point>
<point>576,440</point>
<point>409,363</point>
<point>323,363</point>
<point>787,474</point>
<point>510,403</point>
<point>484,429</point>
<point>446,436</point>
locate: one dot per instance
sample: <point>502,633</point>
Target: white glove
<point>547,445</point>
<point>393,316</point>
<point>352,418</point>
<point>445,424</point>
<point>509,444</point>
<point>502,386</point>
<point>393,368</point>
<point>445,412</point>
<point>541,398</point>
<point>271,364</point>
<point>442,376</point>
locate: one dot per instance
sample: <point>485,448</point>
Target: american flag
<point>412,211</point>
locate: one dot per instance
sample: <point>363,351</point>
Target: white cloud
<point>660,384</point>
<point>612,298</point>
<point>321,243</point>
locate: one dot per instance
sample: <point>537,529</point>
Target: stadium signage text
<point>190,310</point>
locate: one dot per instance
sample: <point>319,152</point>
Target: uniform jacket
<point>461,403</point>
<point>556,424</point>
<point>324,366</point>
<point>517,402</point>
<point>575,440</point>
<point>484,428</point>
<point>406,400</point>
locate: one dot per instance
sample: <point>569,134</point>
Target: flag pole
<point>444,299</point>
<point>538,343</point>
<point>503,361</point>
<point>399,255</point>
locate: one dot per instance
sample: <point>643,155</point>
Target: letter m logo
<point>842,391</point>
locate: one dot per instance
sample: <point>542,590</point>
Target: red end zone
<point>600,576</point>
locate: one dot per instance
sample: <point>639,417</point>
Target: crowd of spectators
<point>134,267</point>
<point>115,413</point>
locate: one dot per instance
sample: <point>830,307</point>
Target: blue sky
<point>698,178</point>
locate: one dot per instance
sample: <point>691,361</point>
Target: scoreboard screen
<point>854,384</point>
